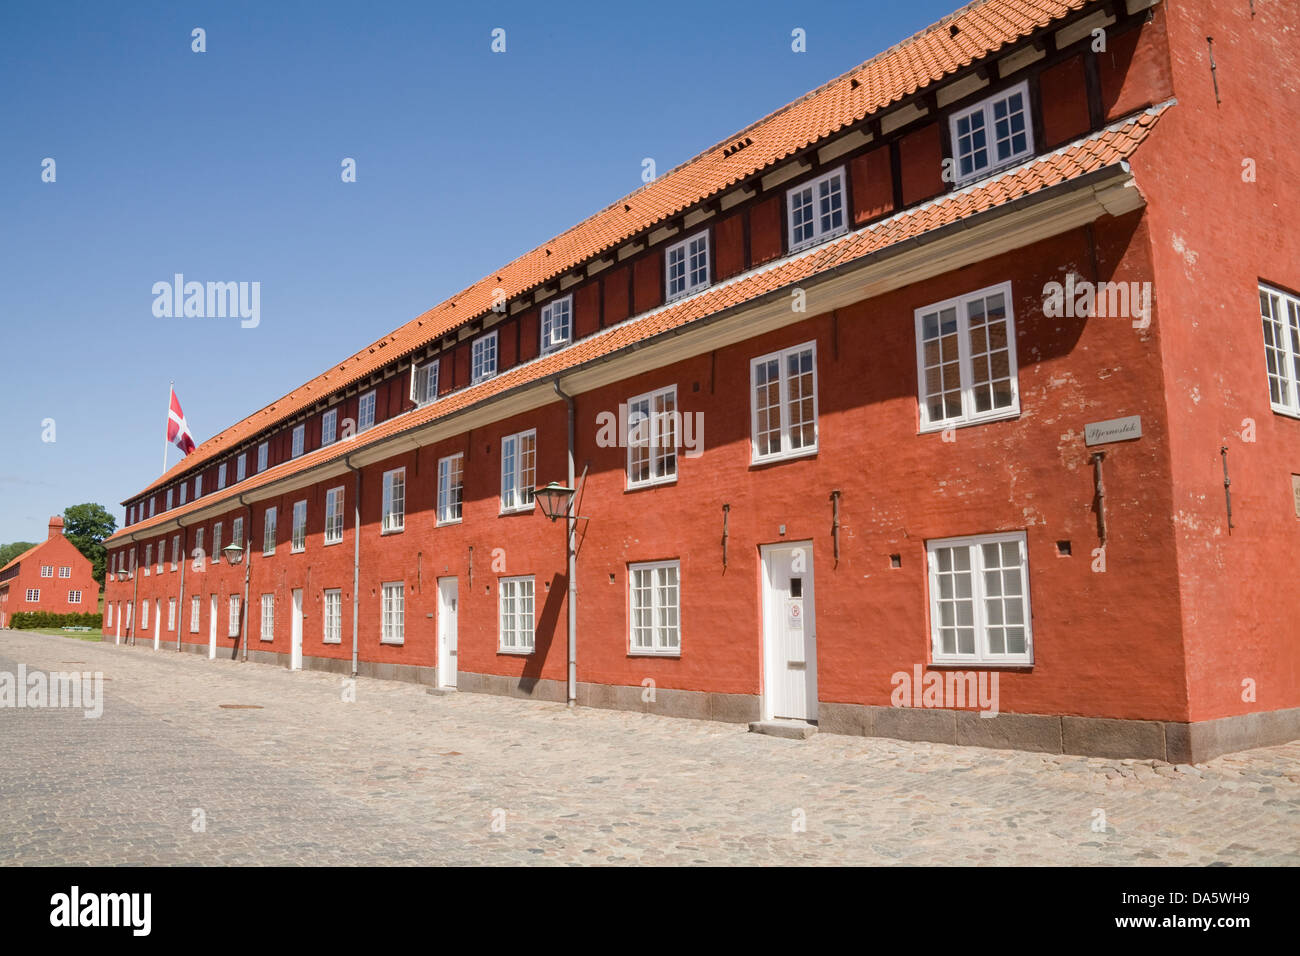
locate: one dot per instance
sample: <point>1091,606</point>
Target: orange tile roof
<point>975,31</point>
<point>1106,148</point>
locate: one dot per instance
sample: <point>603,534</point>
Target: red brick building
<point>939,391</point>
<point>53,576</point>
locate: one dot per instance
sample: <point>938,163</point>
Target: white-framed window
<point>185,487</point>
<point>169,500</point>
<point>74,597</point>
<point>148,561</point>
<point>424,382</point>
<point>451,488</point>
<point>232,628</point>
<point>33,595</point>
<point>517,617</point>
<point>129,613</point>
<point>241,466</point>
<point>333,616</point>
<point>518,471</point>
<point>268,530</point>
<point>108,614</point>
<point>144,613</point>
<point>816,210</point>
<point>299,440</point>
<point>993,133</point>
<point>483,358</point>
<point>1280,313</point>
<point>198,487</point>
<point>329,427</point>
<point>47,570</point>
<point>299,542</point>
<point>268,617</point>
<point>263,452</point>
<point>176,551</point>
<point>979,600</point>
<point>162,554</point>
<point>394,511</point>
<point>783,403</point>
<point>686,266</point>
<point>394,613</point>
<point>195,604</point>
<point>171,611</point>
<point>153,506</point>
<point>130,514</point>
<point>366,411</point>
<point>65,570</point>
<point>216,542</point>
<point>966,359</point>
<point>557,325</point>
<point>198,543</point>
<point>652,437</point>
<point>237,532</point>
<point>654,608</point>
<point>221,476</point>
<point>334,515</point>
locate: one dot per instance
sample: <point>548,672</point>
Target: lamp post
<point>557,501</point>
<point>234,554</point>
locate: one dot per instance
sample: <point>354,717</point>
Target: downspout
<point>248,563</point>
<point>572,521</point>
<point>135,588</point>
<point>180,599</point>
<point>356,555</point>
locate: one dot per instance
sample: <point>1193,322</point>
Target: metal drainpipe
<point>135,588</point>
<point>180,600</point>
<point>356,555</point>
<point>572,521</point>
<point>248,563</point>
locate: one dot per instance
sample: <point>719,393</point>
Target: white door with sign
<point>789,633</point>
<point>447,613</point>
<point>212,629</point>
<point>295,632</point>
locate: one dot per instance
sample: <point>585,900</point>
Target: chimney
<point>56,527</point>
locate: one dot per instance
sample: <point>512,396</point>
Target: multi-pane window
<point>394,510</point>
<point>783,398</point>
<point>221,476</point>
<point>451,487</point>
<point>241,466</point>
<point>171,611</point>
<point>394,613</point>
<point>162,554</point>
<point>816,210</point>
<point>655,605</point>
<point>424,382</point>
<point>237,532</point>
<point>979,600</point>
<point>966,359</point>
<point>33,595</point>
<point>65,570</point>
<point>233,623</point>
<point>334,515</point>
<point>329,427</point>
<point>518,470</point>
<point>148,560</point>
<point>299,542</point>
<point>268,617</point>
<point>216,542</point>
<point>185,487</point>
<point>557,324</point>
<point>153,506</point>
<point>1280,313</point>
<point>333,616</point>
<point>263,451</point>
<point>198,543</point>
<point>194,614</point>
<point>268,530</point>
<point>686,265</point>
<point>992,133</point>
<point>652,437</point>
<point>483,354</point>
<point>176,551</point>
<point>47,570</point>
<point>366,411</point>
<point>169,500</point>
<point>198,487</point>
<point>144,614</point>
<point>299,440</point>
<point>74,597</point>
<point>517,620</point>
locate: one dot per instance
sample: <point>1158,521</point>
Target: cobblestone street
<point>400,776</point>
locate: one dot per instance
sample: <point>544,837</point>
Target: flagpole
<point>166,428</point>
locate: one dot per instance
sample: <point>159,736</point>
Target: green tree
<point>86,526</point>
<point>10,551</point>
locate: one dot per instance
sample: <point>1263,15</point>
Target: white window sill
<point>987,172</point>
<point>552,349</point>
<point>331,640</point>
<point>818,240</point>
<point>641,652</point>
<point>809,452</point>
<point>449,521</point>
<point>390,641</point>
<point>392,530</point>
<point>301,550</point>
<point>652,483</point>
<point>1003,415</point>
<point>268,554</point>
<point>685,293</point>
<point>520,510</point>
<point>268,640</point>
<point>938,661</point>
<point>1286,412</point>
<point>335,541</point>
<point>516,651</point>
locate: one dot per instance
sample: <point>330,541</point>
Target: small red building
<point>53,576</point>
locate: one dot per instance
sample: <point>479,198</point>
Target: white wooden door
<point>789,633</point>
<point>447,631</point>
<point>157,623</point>
<point>295,634</point>
<point>212,630</point>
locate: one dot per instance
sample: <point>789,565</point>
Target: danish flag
<point>178,432</point>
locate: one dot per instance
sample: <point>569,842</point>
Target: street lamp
<point>234,554</point>
<point>555,499</point>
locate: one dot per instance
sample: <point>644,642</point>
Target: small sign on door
<point>1295,493</point>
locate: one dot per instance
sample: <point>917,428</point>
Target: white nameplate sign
<point>1117,429</point>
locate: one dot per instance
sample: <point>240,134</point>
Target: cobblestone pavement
<point>400,776</point>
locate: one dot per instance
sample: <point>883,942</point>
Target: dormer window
<point>993,133</point>
<point>221,476</point>
<point>241,465</point>
<point>484,358</point>
<point>263,451</point>
<point>185,487</point>
<point>299,440</point>
<point>424,382</point>
<point>687,266</point>
<point>816,210</point>
<point>329,427</point>
<point>366,411</point>
<point>557,324</point>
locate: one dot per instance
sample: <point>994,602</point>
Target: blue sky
<point>225,166</point>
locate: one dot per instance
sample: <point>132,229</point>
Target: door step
<point>440,691</point>
<point>789,729</point>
